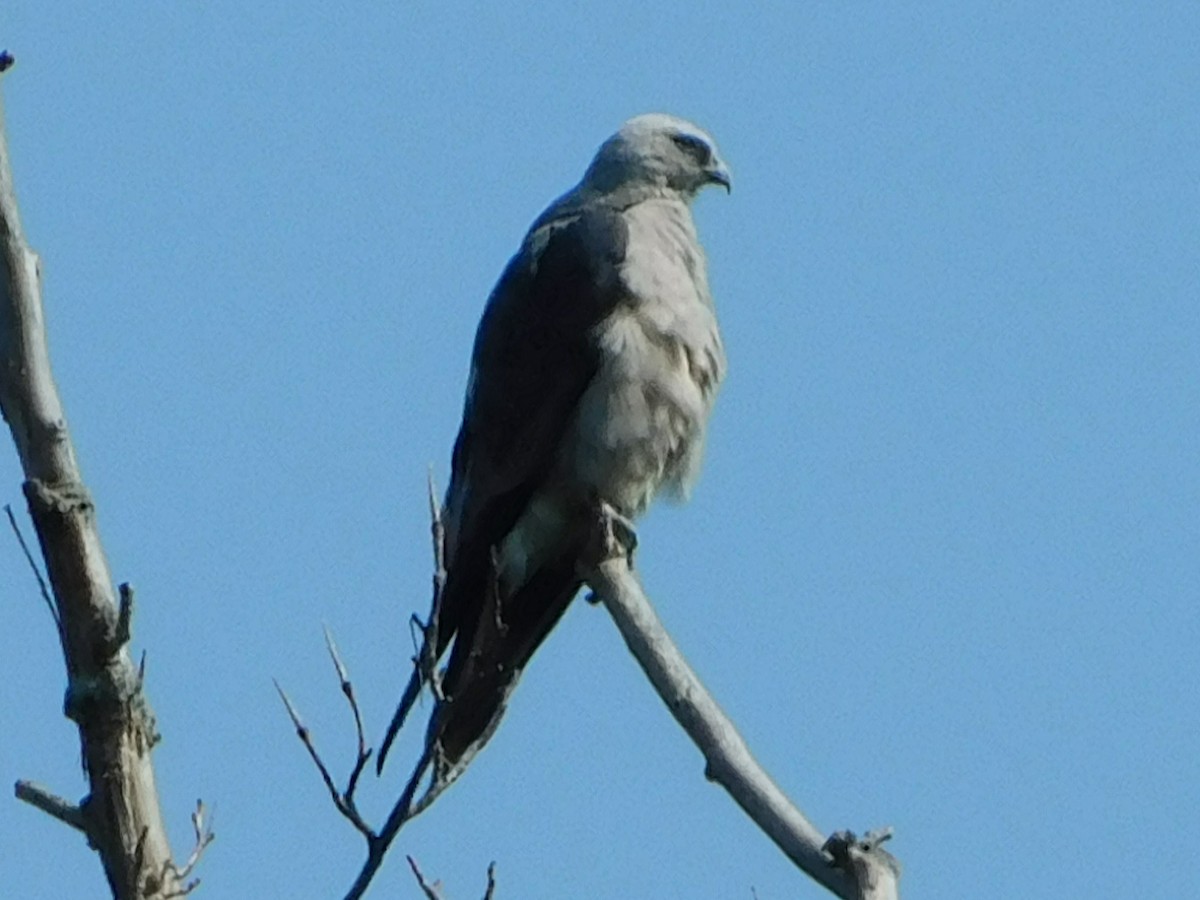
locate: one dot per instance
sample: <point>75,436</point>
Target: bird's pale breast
<point>640,425</point>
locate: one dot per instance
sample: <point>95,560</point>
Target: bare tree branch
<point>343,800</point>
<point>728,761</point>
<point>431,891</point>
<point>407,805</point>
<point>52,804</point>
<point>847,867</point>
<point>404,809</point>
<point>434,891</point>
<point>364,752</point>
<point>426,658</point>
<point>202,829</point>
<point>425,655</point>
<point>121,815</point>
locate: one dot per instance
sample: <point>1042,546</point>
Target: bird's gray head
<point>660,152</point>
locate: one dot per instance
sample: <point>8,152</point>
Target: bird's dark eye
<point>693,146</point>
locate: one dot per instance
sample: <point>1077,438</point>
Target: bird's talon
<point>620,535</point>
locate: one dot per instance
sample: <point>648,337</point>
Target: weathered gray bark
<point>120,816</point>
<point>864,872</point>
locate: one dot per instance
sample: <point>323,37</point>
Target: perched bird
<point>594,370</point>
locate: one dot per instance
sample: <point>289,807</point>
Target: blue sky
<point>942,563</point>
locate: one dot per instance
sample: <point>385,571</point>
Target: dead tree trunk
<point>120,816</point>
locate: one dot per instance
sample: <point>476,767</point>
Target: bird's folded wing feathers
<point>534,356</point>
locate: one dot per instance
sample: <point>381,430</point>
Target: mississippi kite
<point>593,374</point>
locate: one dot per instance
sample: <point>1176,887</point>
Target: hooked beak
<point>719,174</point>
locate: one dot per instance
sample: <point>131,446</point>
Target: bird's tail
<point>479,679</point>
<point>484,666</point>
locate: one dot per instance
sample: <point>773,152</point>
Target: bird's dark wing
<point>534,356</point>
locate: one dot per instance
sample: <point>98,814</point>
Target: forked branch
<point>434,891</point>
<point>848,867</point>
<point>408,805</point>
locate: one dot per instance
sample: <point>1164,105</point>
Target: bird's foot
<point>613,536</point>
<point>619,534</point>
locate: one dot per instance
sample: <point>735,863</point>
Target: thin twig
<point>434,891</point>
<point>402,811</point>
<point>437,530</point>
<point>364,752</point>
<point>344,806</point>
<point>405,809</point>
<point>37,573</point>
<point>425,655</point>
<point>437,533</point>
<point>204,835</point>
<point>430,890</point>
